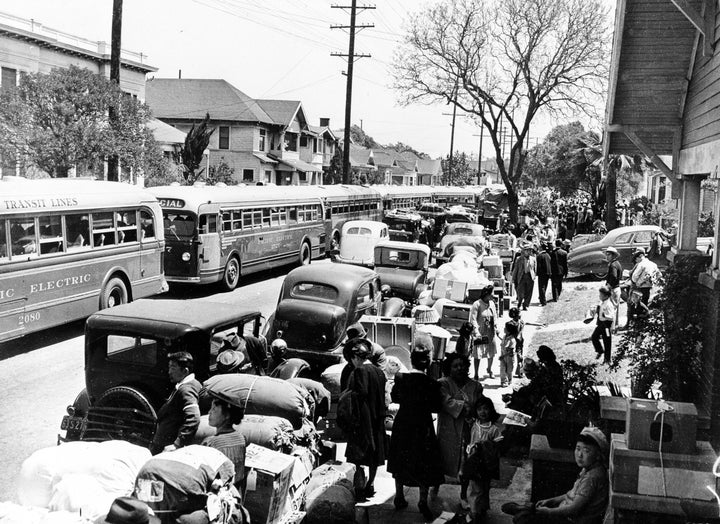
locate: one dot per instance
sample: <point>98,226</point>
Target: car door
<point>623,244</point>
<point>642,239</point>
<point>366,302</point>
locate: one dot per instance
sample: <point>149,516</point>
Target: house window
<point>224,138</point>
<point>261,141</point>
<point>303,141</point>
<point>302,176</point>
<point>248,175</point>
<point>318,145</point>
<point>8,81</point>
<point>268,177</point>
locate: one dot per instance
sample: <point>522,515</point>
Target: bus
<point>219,233</point>
<point>70,247</point>
<point>403,198</point>
<point>449,196</point>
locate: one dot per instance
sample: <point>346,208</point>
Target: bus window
<point>3,241</point>
<point>292,215</point>
<point>247,219</point>
<point>227,220</point>
<point>283,216</point>
<point>103,229</point>
<point>51,240</point>
<point>257,219</point>
<point>266,217</point>
<point>147,225</point>
<point>77,232</point>
<point>127,226</point>
<point>179,226</point>
<point>237,220</point>
<point>22,236</point>
<point>208,224</point>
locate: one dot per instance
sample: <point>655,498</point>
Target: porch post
<point>689,211</point>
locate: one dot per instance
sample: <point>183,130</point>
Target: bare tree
<point>503,61</point>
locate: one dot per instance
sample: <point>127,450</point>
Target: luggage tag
<point>251,484</point>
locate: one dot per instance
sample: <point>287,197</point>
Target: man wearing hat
<point>523,275</point>
<point>543,263</point>
<point>229,361</point>
<point>179,417</point>
<point>641,279</point>
<point>559,268</point>
<point>614,274</point>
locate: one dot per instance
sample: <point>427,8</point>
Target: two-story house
<point>264,141</point>
<point>394,168</point>
<point>27,46</point>
<point>429,172</point>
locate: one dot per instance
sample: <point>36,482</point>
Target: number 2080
<point>27,318</point>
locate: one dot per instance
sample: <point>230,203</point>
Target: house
<point>27,46</point>
<point>489,173</point>
<point>429,172</point>
<point>264,141</point>
<point>326,141</point>
<point>394,169</point>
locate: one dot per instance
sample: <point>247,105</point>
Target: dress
<point>179,417</point>
<point>479,488</point>
<point>483,317</point>
<point>414,457</point>
<point>452,428</point>
<point>366,444</point>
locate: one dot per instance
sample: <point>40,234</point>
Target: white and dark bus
<point>71,247</point>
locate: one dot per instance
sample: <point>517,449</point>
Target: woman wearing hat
<point>366,443</point>
<point>483,317</point>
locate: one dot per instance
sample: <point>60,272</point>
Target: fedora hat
<point>229,361</point>
<point>127,510</point>
<point>639,251</point>
<point>612,251</point>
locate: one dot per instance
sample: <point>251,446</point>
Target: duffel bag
<point>320,394</point>
<point>274,433</point>
<point>259,395</point>
<point>330,504</point>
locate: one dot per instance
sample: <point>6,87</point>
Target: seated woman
<point>587,501</point>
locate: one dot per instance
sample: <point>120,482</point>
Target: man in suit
<point>179,417</point>
<point>523,275</point>
<point>544,271</point>
<point>559,269</point>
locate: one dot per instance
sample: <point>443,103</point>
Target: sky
<point>277,49</point>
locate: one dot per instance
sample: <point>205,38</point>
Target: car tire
<point>114,293</point>
<point>305,254</point>
<point>600,275</point>
<point>231,275</point>
<point>126,427</point>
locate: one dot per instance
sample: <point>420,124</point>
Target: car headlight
<point>186,257</point>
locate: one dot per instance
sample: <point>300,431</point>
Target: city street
<point>41,374</point>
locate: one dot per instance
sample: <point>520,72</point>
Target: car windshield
<point>314,291</point>
<point>464,229</point>
<point>179,226</point>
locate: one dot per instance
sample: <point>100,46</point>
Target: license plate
<point>72,423</point>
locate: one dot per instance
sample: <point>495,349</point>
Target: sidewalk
<point>515,474</point>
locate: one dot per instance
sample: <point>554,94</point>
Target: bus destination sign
<point>37,203</point>
<point>172,203</point>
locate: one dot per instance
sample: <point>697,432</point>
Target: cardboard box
<point>453,316</point>
<point>269,476</point>
<point>304,464</point>
<point>452,289</point>
<point>642,427</point>
<point>390,331</point>
<point>641,472</point>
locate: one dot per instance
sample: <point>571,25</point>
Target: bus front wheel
<point>232,274</point>
<point>305,254</point>
<point>114,293</point>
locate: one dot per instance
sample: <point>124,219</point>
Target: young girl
<point>482,463</point>
<point>507,353</point>
<point>231,442</point>
<point>605,312</point>
<point>463,344</point>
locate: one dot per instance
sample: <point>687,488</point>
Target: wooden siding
<point>701,120</point>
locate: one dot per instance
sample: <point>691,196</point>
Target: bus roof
<point>22,195</point>
<point>192,197</point>
<point>340,191</point>
<point>404,191</point>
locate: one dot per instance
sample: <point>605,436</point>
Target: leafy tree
<point>538,203</point>
<point>402,148</point>
<point>359,137</point>
<point>334,174</point>
<point>161,171</point>
<point>504,61</point>
<point>59,120</point>
<point>196,142</point>
<point>460,172</point>
<point>221,172</point>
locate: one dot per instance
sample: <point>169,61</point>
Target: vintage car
<point>404,267</point>
<point>126,366</point>
<point>405,227</point>
<point>589,259</point>
<point>460,214</point>
<point>358,240</point>
<point>316,306</point>
<point>460,234</point>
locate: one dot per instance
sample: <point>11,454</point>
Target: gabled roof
<point>164,133</point>
<point>429,167</point>
<point>407,165</point>
<point>176,98</point>
<point>283,112</point>
<point>384,157</point>
<point>360,156</point>
<point>322,130</point>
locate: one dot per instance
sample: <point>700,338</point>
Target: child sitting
<point>482,463</point>
<point>586,502</point>
<point>520,346</point>
<point>507,353</point>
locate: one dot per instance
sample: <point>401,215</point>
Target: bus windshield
<point>179,226</point>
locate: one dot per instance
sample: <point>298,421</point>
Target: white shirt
<point>187,379</point>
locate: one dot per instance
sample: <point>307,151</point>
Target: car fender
<point>587,263</point>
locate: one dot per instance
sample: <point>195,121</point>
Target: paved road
<point>42,373</point>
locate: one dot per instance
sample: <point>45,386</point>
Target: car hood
<point>310,325</point>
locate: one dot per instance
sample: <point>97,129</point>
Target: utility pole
<point>452,136</point>
<point>482,129</point>
<point>351,56</point>
<point>115,46</point>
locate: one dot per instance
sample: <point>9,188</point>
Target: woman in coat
<point>459,394</point>
<point>366,442</point>
<point>414,457</point>
<point>484,319</point>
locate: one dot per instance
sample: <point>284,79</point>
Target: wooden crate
<point>390,331</point>
<point>454,316</point>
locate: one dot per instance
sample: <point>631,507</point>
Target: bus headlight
<point>186,257</point>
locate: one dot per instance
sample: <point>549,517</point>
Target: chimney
<point>324,122</point>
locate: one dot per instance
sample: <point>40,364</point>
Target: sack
<point>260,395</point>
<point>330,379</point>
<point>348,412</point>
<point>334,503</point>
<point>274,433</point>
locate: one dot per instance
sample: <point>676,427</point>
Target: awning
<point>264,158</point>
<point>297,165</point>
